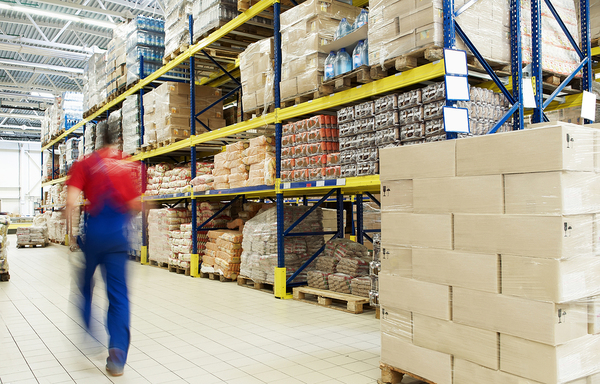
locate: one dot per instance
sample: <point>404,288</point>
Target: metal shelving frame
<point>356,187</point>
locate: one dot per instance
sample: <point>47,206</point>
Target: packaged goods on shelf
<point>374,269</point>
<point>256,69</point>
<point>400,27</point>
<point>4,223</point>
<point>101,128</point>
<point>341,262</point>
<point>310,149</point>
<point>223,249</point>
<point>116,71</point>
<point>115,128</point>
<point>259,256</point>
<point>71,152</point>
<point>50,123</point>
<point>165,179</point>
<point>131,124</point>
<point>57,226</point>
<point>177,26</point>
<point>145,37</point>
<point>167,112</point>
<point>245,164</point>
<point>489,258</point>
<point>65,113</point>
<point>135,233</point>
<point>164,227</point>
<point>47,166</point>
<point>94,90</point>
<point>305,31</point>
<point>89,140</point>
<point>569,115</point>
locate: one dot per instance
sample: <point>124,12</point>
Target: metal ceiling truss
<point>50,52</point>
<point>86,8</point>
<point>57,25</point>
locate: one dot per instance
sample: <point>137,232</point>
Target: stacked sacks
<point>259,257</point>
<point>225,247</point>
<point>260,158</point>
<point>164,225</point>
<point>205,210</point>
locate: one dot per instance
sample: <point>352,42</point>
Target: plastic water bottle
<point>357,55</point>
<point>343,62</point>
<point>343,29</point>
<point>362,19</point>
<point>329,66</point>
<point>364,55</point>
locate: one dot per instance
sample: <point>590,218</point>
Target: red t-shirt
<point>103,175</point>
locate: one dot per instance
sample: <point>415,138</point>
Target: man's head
<point>107,138</point>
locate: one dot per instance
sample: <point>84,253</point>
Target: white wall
<point>20,176</point>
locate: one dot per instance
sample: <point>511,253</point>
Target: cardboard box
<point>565,147</point>
<point>417,230</point>
<point>264,96</point>
<point>418,161</point>
<point>249,102</point>
<point>289,88</point>
<point>397,323</point>
<point>552,237</point>
<point>309,81</point>
<point>416,296</point>
<point>552,193</point>
<point>461,269</point>
<point>558,281</point>
<point>593,379</point>
<point>478,194</point>
<point>593,304</point>
<point>466,372</point>
<point>549,364</point>
<point>435,366</point>
<point>396,260</point>
<point>329,8</point>
<point>461,341</point>
<point>397,195</point>
<point>544,322</point>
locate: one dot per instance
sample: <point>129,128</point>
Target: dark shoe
<point>114,366</point>
<point>114,370</point>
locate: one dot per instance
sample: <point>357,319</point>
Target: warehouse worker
<point>109,184</point>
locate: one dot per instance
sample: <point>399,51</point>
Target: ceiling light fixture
<point>56,15</point>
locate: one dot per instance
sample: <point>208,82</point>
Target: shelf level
<point>55,181</point>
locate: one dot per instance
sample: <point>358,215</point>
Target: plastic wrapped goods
<point>4,223</point>
<point>131,124</point>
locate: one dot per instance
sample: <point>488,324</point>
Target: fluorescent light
<point>56,15</point>
<point>42,94</point>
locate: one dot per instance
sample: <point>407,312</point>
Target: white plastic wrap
<point>4,223</point>
<point>256,69</point>
<point>489,269</point>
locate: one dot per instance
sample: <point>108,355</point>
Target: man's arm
<point>72,196</point>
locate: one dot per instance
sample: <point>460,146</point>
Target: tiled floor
<point>184,330</point>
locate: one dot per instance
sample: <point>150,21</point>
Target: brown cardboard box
<point>416,296</point>
<point>398,9</point>
<point>289,88</point>
<point>533,320</point>
<point>435,366</point>
<point>249,102</point>
<point>397,323</point>
<point>417,230</point>
<point>461,341</point>
<point>263,64</point>
<point>553,193</point>
<point>548,364</point>
<point>558,281</point>
<point>466,372</point>
<point>429,34</point>
<point>329,8</point>
<point>397,195</point>
<point>552,237</point>
<point>264,96</point>
<point>479,194</point>
<point>396,260</point>
<point>419,161</point>
<point>566,147</point>
<point>461,269</point>
<point>309,81</point>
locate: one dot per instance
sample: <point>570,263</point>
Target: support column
<point>536,60</point>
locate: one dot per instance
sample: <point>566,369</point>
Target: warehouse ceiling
<point>44,46</point>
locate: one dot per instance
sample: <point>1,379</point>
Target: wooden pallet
<point>360,75</point>
<point>217,276</point>
<point>254,113</point>
<point>178,51</point>
<point>168,142</point>
<point>179,270</point>
<point>255,284</point>
<point>408,61</point>
<point>31,245</point>
<point>58,242</point>
<point>393,375</point>
<point>161,265</point>
<point>354,304</point>
<point>4,276</point>
<point>323,90</point>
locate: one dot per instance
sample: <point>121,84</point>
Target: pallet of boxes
<point>4,223</point>
<point>489,258</point>
<point>167,113</point>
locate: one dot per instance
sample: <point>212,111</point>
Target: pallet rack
<point>338,188</point>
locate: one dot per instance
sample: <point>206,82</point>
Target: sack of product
<point>353,266</point>
<point>318,279</point>
<point>339,282</point>
<point>326,264</point>
<point>361,286</point>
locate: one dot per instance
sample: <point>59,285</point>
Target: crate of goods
<point>94,90</point>
<point>164,225</point>
<point>177,28</point>
<point>489,262</point>
<point>256,70</point>
<point>131,124</point>
<point>167,112</point>
<point>144,37</point>
<point>116,58</point>
<point>259,256</point>
<point>305,31</point>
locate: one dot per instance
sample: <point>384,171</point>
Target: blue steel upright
<point>449,43</point>
<point>586,46</point>
<point>516,62</point>
<point>193,150</point>
<point>536,60</point>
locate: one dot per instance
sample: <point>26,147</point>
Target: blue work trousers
<point>106,246</point>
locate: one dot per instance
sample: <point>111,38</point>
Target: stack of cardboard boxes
<point>167,112</point>
<point>305,31</point>
<point>116,71</point>
<point>595,19</point>
<point>489,259</point>
<point>256,69</point>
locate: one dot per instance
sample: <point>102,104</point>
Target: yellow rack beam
<point>231,68</point>
<point>55,181</point>
<point>192,50</point>
<point>596,51</point>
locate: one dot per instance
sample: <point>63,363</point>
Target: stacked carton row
<point>223,251</point>
<point>165,179</point>
<point>116,70</point>
<point>177,32</point>
<point>305,31</point>
<point>205,210</point>
<point>257,76</point>
<point>131,123</point>
<point>489,257</point>
<point>167,112</point>
<point>65,113</point>
<point>94,90</point>
<point>143,37</point>
<point>164,226</point>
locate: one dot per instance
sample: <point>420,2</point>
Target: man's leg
<point>87,286</point>
<point>117,321</point>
